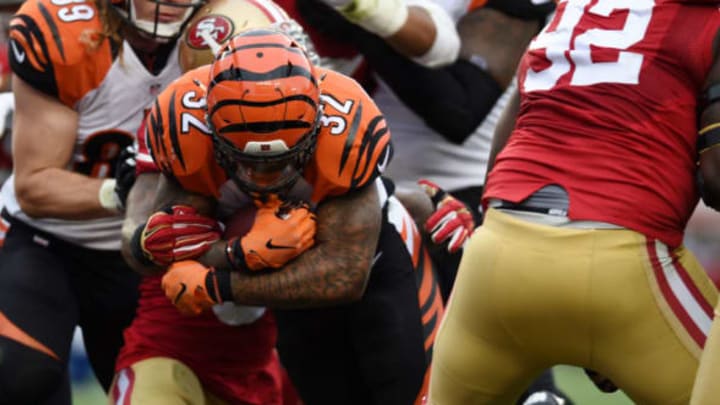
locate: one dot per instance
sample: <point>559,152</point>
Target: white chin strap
<point>161,30</point>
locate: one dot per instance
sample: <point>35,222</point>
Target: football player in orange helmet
<point>226,355</point>
<point>84,73</point>
<point>355,296</point>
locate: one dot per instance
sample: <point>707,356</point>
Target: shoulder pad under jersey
<point>59,48</point>
<point>353,146</point>
<point>179,138</point>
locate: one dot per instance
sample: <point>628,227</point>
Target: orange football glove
<point>194,288</point>
<point>280,233</point>
<point>451,222</point>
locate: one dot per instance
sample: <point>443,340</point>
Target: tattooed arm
<point>139,207</point>
<point>334,271</point>
<point>418,205</point>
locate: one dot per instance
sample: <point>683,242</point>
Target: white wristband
<point>107,197</point>
<point>446,47</point>
<point>382,17</point>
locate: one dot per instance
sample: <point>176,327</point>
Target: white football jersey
<point>107,114</point>
<point>422,153</point>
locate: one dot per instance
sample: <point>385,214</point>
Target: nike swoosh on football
<point>270,245</point>
<point>183,288</point>
<point>19,55</point>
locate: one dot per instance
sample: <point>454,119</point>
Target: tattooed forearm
<point>417,203</point>
<point>139,207</point>
<point>334,271</point>
<point>170,193</point>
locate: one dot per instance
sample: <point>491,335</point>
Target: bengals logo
<point>218,26</point>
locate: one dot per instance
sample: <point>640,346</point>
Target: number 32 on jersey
<point>569,44</point>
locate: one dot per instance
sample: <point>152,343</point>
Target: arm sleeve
<point>446,47</point>
<point>452,100</point>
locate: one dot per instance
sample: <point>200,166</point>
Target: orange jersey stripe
<point>12,331</point>
<point>476,4</point>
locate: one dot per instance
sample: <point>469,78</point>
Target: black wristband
<point>439,195</point>
<point>708,137</point>
<point>136,249</point>
<point>235,255</point>
<point>218,286</point>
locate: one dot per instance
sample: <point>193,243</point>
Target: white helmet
<point>154,28</point>
<point>219,20</point>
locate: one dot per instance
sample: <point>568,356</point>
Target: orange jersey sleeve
<point>476,4</point>
<point>60,49</point>
<point>178,136</point>
<point>353,146</point>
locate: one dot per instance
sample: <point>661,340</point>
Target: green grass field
<point>573,381</point>
<point>570,379</point>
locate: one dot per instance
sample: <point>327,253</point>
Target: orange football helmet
<point>263,107</point>
<point>219,20</point>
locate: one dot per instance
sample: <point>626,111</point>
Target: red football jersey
<point>232,362</point>
<point>608,112</point>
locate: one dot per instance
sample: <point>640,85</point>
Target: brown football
<point>239,223</point>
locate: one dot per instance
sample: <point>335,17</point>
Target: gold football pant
<point>530,296</point>
<point>707,383</point>
<point>159,381</point>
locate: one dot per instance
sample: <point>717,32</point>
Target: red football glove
<point>451,222</point>
<point>280,233</point>
<point>178,233</point>
<point>192,287</point>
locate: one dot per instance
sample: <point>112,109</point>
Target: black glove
<point>603,383</point>
<point>125,174</point>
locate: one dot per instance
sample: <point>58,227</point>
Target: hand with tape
<point>381,17</point>
<point>113,192</point>
<point>451,222</point>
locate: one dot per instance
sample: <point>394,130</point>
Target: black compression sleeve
<point>452,100</point>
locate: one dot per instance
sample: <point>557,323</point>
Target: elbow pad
<point>446,47</point>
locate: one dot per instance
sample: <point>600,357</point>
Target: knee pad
<point>26,375</point>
